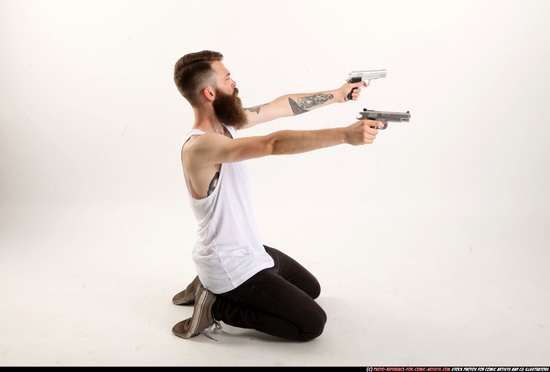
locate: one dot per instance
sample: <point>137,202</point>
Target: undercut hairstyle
<point>193,72</point>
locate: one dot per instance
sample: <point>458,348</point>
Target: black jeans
<point>278,301</point>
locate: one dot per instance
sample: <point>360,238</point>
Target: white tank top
<point>228,249</point>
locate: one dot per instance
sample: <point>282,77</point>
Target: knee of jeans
<point>316,326</point>
<point>315,291</point>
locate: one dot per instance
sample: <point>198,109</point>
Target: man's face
<point>227,105</point>
<point>222,78</point>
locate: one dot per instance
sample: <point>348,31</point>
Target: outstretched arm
<point>201,155</point>
<point>213,148</point>
<point>295,104</point>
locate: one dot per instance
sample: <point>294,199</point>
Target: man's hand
<point>343,92</point>
<point>361,133</point>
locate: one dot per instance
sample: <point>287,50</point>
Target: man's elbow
<point>270,145</point>
<point>280,143</point>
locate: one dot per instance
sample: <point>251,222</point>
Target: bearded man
<point>241,281</point>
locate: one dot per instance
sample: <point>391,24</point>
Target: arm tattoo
<point>213,183</point>
<point>255,109</point>
<point>306,103</point>
<point>297,110</point>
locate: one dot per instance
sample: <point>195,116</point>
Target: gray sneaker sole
<point>195,320</point>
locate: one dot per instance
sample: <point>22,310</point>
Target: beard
<point>229,109</point>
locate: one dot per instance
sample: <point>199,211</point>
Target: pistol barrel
<point>385,115</point>
<point>356,76</point>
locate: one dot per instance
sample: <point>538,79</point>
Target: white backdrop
<point>91,123</point>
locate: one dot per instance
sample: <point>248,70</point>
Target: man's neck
<point>207,121</point>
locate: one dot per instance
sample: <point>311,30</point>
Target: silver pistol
<point>368,75</point>
<point>384,117</point>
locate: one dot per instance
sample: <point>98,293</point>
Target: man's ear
<point>209,93</point>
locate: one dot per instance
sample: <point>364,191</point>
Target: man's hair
<point>192,73</point>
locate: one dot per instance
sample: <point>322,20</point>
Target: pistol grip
<point>353,80</point>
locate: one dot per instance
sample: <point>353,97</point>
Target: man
<point>241,281</point>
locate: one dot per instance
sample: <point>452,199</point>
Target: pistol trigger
<point>383,122</point>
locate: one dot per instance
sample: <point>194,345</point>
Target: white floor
<point>94,287</point>
<point>431,246</point>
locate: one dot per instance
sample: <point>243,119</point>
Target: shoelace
<point>216,327</point>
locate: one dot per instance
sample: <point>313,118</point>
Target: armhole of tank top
<point>196,132</point>
<point>216,188</point>
<point>187,137</point>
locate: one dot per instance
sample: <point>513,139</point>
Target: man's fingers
<point>377,124</point>
<point>356,89</point>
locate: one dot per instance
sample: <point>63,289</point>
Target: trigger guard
<point>384,127</point>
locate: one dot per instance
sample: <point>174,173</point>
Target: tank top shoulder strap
<point>231,131</point>
<point>192,132</point>
<point>198,132</point>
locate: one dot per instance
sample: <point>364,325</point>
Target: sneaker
<point>202,316</point>
<point>187,297</point>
